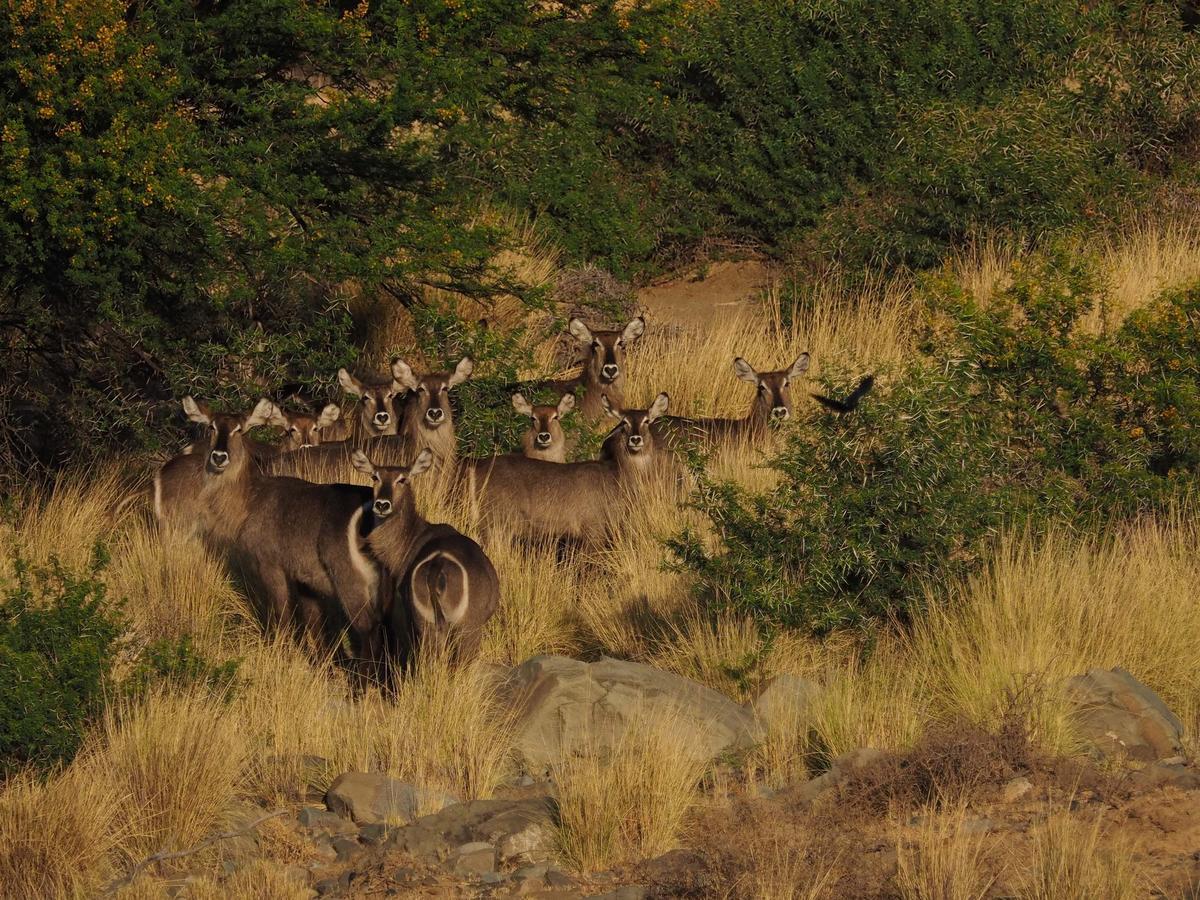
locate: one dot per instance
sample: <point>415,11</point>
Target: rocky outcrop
<point>563,705</point>
<point>1118,716</point>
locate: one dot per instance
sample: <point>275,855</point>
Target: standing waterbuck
<point>772,404</point>
<point>578,502</point>
<point>544,439</point>
<point>603,372</point>
<point>428,419</point>
<point>379,403</point>
<point>440,588</point>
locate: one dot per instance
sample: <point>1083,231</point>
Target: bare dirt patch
<point>700,295</point>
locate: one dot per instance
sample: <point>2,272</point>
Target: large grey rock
<point>1118,716</point>
<point>782,699</point>
<point>371,798</point>
<point>564,705</point>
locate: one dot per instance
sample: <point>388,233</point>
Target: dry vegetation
<point>173,766</point>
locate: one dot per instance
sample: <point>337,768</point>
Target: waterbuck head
<point>633,438</point>
<point>604,353</point>
<point>545,438</point>
<point>226,450</point>
<point>429,405</point>
<point>378,406</point>
<point>390,483</point>
<point>302,430</point>
<point>774,400</point>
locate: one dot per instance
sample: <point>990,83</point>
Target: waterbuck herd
<point>329,560</point>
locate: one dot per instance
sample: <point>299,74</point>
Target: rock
<point>520,830</point>
<point>346,849</point>
<point>376,833</point>
<point>324,850</point>
<point>557,879</point>
<point>371,798</point>
<point>295,873</point>
<point>328,886</point>
<point>1164,775</point>
<point>322,819</point>
<point>563,705</point>
<point>475,858</point>
<point>1015,790</point>
<point>1118,716</point>
<point>782,700</point>
<point>838,770</point>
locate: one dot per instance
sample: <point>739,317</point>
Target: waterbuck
<point>578,501</point>
<point>439,586</point>
<point>301,430</point>
<point>603,366</point>
<point>427,418</point>
<point>544,439</point>
<point>772,404</point>
<point>298,544</point>
<point>379,405</point>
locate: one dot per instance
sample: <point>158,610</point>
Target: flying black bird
<point>851,402</point>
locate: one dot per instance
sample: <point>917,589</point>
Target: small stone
<point>1015,790</point>
<point>557,878</point>
<point>475,858</point>
<point>372,797</point>
<point>324,850</point>
<point>327,886</point>
<point>316,818</point>
<point>529,873</point>
<point>376,833</point>
<point>346,849</point>
<point>491,878</point>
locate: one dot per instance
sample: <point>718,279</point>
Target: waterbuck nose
<point>219,459</point>
<point>382,418</point>
<point>779,412</point>
<point>383,507</point>
<point>635,440</point>
<point>435,415</point>
<point>543,438</point>
<point>610,371</point>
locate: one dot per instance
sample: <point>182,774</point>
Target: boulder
<point>370,798</point>
<point>563,705</point>
<point>1118,716</point>
<point>475,858</point>
<point>782,699</point>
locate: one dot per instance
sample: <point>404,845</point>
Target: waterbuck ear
<point>197,412</point>
<point>521,405</point>
<point>350,384</point>
<point>423,461</point>
<point>579,331</point>
<point>633,330</point>
<point>608,407</point>
<point>404,374</point>
<point>330,414</point>
<point>799,367</point>
<point>566,403</point>
<point>264,411</point>
<point>744,371</point>
<point>278,417</point>
<point>461,372</point>
<point>658,407</point>
<point>362,463</point>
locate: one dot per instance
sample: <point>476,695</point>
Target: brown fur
<point>380,402</point>
<point>577,501</point>
<point>601,349</point>
<point>440,586</point>
<point>427,418</point>
<point>544,438</point>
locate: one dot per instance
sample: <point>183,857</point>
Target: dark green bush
<point>58,642</point>
<point>1018,414</point>
<point>179,663</point>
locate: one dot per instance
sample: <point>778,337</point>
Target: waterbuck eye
<point>786,382</point>
<point>375,476</point>
<point>400,479</point>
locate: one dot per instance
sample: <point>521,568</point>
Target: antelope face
<point>604,358</point>
<point>226,448</point>
<point>431,392</point>
<point>774,388</point>
<point>637,437</point>
<point>378,412</point>
<point>390,483</point>
<point>302,430</point>
<point>545,431</point>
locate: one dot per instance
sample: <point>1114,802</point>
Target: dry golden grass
<point>56,837</point>
<point>1149,257</point>
<point>173,586</point>
<point>630,802</point>
<point>1075,860</point>
<point>1047,610</point>
<point>785,871</point>
<point>944,861</point>
<point>175,760</point>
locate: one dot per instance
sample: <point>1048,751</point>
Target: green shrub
<point>58,642</point>
<point>180,663</point>
<point>1015,415</point>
